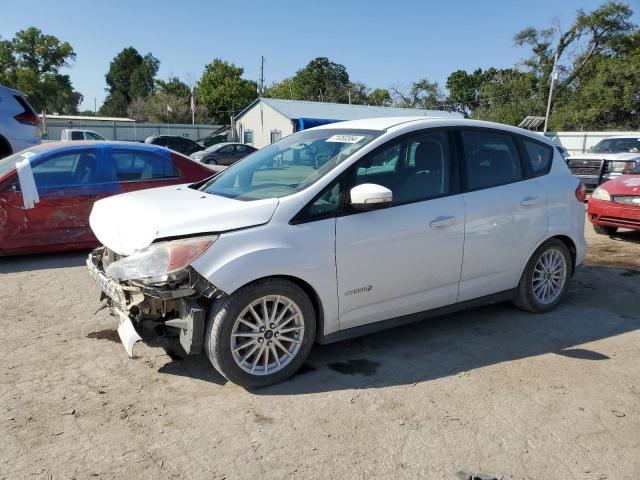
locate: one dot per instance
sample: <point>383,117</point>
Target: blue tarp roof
<point>304,123</point>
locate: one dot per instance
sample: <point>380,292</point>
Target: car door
<point>405,258</point>
<point>225,155</point>
<point>505,212</point>
<point>68,182</point>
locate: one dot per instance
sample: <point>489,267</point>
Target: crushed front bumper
<point>155,314</point>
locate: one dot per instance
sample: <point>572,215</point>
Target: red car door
<point>68,184</point>
<point>13,219</point>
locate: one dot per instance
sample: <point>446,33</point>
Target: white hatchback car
<point>399,219</point>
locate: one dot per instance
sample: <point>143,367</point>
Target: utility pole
<point>554,75</point>
<point>95,106</point>
<point>261,91</point>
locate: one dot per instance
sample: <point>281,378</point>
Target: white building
<point>266,120</point>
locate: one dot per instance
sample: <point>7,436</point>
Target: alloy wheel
<point>549,276</point>
<point>267,335</point>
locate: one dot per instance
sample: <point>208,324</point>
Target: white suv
<point>396,220</point>
<point>20,125</point>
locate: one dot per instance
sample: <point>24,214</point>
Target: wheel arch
<point>566,239</point>
<point>306,287</point>
<point>572,249</point>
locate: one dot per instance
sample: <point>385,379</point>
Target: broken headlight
<point>160,261</point>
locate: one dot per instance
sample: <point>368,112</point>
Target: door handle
<point>529,201</point>
<point>441,222</point>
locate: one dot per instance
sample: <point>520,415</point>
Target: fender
<point>306,253</point>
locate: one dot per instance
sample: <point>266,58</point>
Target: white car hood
<point>131,221</point>
<point>618,157</point>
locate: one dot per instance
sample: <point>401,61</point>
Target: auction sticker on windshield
<point>345,138</point>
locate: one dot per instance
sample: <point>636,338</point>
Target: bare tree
<point>137,109</point>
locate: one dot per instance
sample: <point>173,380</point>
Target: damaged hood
<point>131,221</point>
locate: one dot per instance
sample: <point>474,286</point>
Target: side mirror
<point>370,196</point>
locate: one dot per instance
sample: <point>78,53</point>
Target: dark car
<point>47,191</point>
<point>224,153</point>
<point>183,145</point>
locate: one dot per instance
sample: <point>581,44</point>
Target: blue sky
<point>382,43</point>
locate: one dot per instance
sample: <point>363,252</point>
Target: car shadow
<point>460,342</point>
<point>196,367</point>
<point>631,236</point>
<point>42,261</point>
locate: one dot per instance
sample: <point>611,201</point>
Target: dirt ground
<point>491,391</point>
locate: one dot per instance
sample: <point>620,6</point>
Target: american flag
<point>193,103</point>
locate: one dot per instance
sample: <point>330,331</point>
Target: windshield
<point>289,165</point>
<point>617,145</point>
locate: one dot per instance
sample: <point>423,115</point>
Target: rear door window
<point>77,136</point>
<point>137,165</point>
<point>491,159</point>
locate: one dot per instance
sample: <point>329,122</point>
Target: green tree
<point>606,96</point>
<point>223,91</point>
<point>130,76</point>
<point>174,86</point>
<point>421,94</point>
<point>591,35</point>
<point>380,97</point>
<point>464,89</point>
<point>508,96</point>
<point>31,63</point>
<point>320,80</point>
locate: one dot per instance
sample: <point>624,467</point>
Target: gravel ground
<point>491,391</point>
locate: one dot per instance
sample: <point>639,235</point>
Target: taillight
<point>28,118</point>
<point>581,192</point>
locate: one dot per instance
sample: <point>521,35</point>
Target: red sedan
<point>47,192</point>
<point>616,204</point>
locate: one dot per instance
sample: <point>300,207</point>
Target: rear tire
<point>604,230</point>
<point>546,278</point>
<point>252,352</point>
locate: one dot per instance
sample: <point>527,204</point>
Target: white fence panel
<point>580,142</point>
<point>128,130</point>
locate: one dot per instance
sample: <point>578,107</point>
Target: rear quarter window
<point>539,156</point>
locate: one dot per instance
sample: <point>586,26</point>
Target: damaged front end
<point>158,309</point>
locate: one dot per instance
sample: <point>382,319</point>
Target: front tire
<point>604,230</point>
<point>262,333</point>
<point>546,278</point>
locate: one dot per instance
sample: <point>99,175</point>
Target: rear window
<point>24,104</point>
<point>540,157</point>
